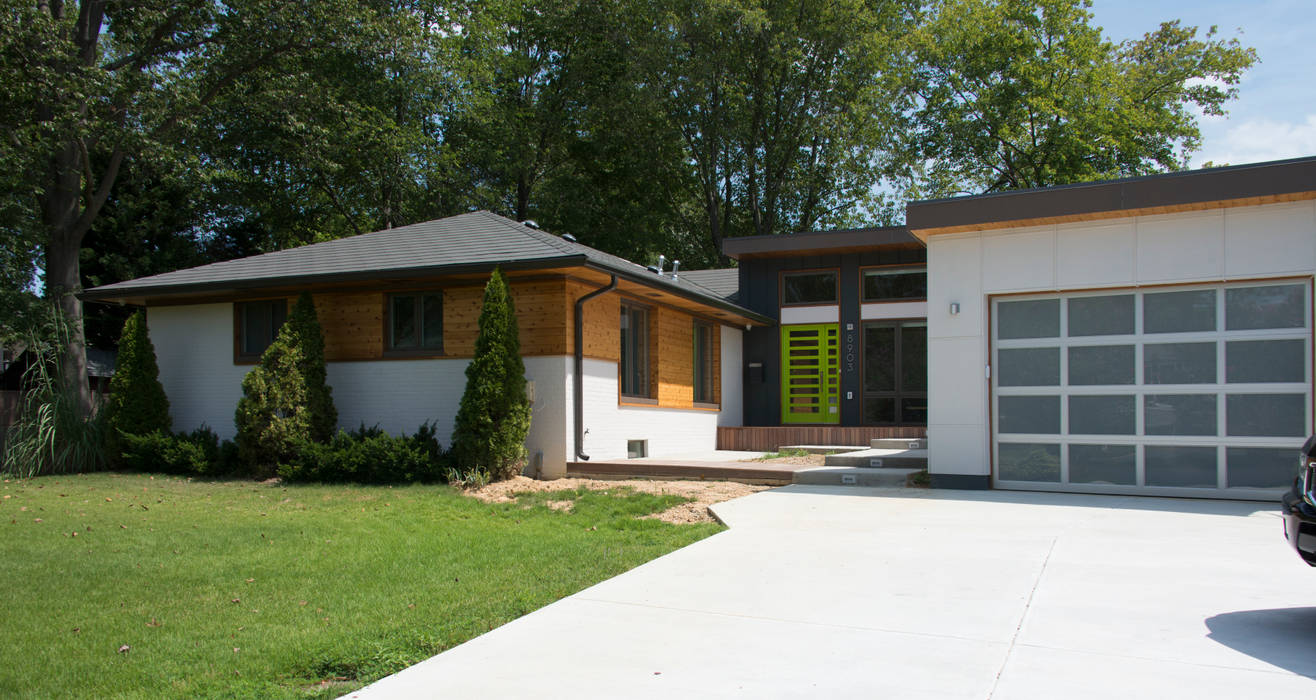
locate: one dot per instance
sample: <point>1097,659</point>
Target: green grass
<point>239,589</point>
<point>783,453</point>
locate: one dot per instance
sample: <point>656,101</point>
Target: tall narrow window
<point>703,362</point>
<point>634,366</point>
<point>415,322</point>
<point>258,323</point>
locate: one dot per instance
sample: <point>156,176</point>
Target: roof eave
<point>647,279</point>
<point>122,294</point>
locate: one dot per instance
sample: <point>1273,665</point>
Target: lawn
<point>120,585</point>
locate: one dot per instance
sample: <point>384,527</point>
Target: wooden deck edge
<point>649,470</point>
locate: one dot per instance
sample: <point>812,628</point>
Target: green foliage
<point>305,327</point>
<point>137,404</point>
<point>1028,93</point>
<point>494,416</point>
<point>51,434</point>
<point>195,453</point>
<point>369,456</point>
<point>273,417</point>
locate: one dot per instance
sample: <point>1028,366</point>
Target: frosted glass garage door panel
<point>1179,363</point>
<point>1180,414</point>
<point>1266,415</point>
<point>1091,365</point>
<point>1028,319</point>
<point>1272,306</point>
<point>1039,415</point>
<point>1103,464</point>
<point>1029,367</point>
<point>1106,315</point>
<point>1260,468</point>
<point>1263,361</point>
<point>1029,462</point>
<point>1102,415</point>
<point>1179,312</point>
<point>1189,467</point>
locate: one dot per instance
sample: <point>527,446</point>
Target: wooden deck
<point>657,468</point>
<point>772,438</point>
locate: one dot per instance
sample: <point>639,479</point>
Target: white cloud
<point>1255,141</point>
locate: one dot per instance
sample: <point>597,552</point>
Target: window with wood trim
<point>634,365</point>
<point>703,362</point>
<point>815,287</point>
<point>415,322</point>
<point>895,284</point>
<point>258,323</point>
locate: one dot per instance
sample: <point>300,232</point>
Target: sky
<point>1274,115</point>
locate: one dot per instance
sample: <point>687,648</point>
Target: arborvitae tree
<point>272,416</point>
<point>137,404</point>
<point>305,327</point>
<point>494,416</point>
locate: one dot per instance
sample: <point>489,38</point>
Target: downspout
<point>577,380</point>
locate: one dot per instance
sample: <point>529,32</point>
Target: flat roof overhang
<point>1168,193</point>
<point>819,242</point>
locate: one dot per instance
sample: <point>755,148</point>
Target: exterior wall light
<point>954,308</point>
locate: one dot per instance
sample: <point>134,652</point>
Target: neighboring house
<point>659,356</point>
<point>1142,336</point>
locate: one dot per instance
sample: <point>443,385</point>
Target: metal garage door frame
<point>1140,439</point>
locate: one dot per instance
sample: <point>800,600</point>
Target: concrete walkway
<point>827,592</point>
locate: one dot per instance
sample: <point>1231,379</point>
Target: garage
<point>1188,390</point>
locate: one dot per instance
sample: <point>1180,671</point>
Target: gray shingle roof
<point>724,282</point>
<point>471,241</point>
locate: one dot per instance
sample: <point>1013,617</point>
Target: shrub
<point>184,453</point>
<point>368,455</point>
<point>304,325</point>
<point>494,416</point>
<point>137,404</point>
<point>272,417</point>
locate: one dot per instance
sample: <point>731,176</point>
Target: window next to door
<point>703,362</point>
<point>895,373</point>
<point>257,324</point>
<point>634,365</point>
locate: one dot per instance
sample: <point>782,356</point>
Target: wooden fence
<point>771,438</point>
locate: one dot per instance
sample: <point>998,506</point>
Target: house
<point>622,361</point>
<point>1148,335</point>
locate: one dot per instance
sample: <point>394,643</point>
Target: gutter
<point>577,379</point>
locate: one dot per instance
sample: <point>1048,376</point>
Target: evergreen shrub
<point>137,404</point>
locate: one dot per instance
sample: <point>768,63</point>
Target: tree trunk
<point>62,285</point>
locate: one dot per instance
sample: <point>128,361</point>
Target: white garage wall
<point>1274,240</point>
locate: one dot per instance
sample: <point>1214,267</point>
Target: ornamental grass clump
<point>494,417</point>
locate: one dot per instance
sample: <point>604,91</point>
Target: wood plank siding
<point>773,438</point>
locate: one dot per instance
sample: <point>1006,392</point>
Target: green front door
<point>810,374</point>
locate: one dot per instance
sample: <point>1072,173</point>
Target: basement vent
<point>637,448</point>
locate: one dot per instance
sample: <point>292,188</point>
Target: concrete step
<point>903,459</point>
<point>823,449</point>
<point>899,444</point>
<point>853,476</point>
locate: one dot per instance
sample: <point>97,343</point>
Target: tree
<point>129,80</point>
<point>494,416</point>
<point>1027,93</point>
<point>786,108</point>
<point>273,417</point>
<point>304,327</point>
<point>137,404</point>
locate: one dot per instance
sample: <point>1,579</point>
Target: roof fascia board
<point>647,279</point>
<point>820,241</point>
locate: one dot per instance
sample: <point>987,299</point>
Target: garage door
<point>1201,390</point>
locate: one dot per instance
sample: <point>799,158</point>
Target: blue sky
<point>1274,115</point>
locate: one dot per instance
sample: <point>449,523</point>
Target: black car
<point>1300,505</point>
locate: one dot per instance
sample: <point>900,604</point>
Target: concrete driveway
<point>826,592</point>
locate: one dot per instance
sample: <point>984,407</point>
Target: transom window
<point>818,287</point>
<point>703,362</point>
<point>895,284</point>
<point>415,322</point>
<point>634,365</point>
<point>258,324</point>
